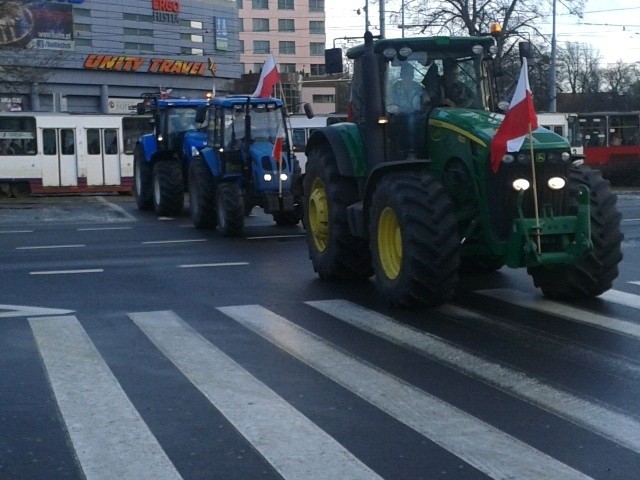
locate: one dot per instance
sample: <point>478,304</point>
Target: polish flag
<point>269,77</point>
<point>277,146</point>
<point>518,122</point>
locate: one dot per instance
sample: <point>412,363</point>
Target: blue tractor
<point>161,158</point>
<point>247,162</point>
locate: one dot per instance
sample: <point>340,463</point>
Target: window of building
<point>138,47</point>
<point>316,5</point>
<point>323,98</point>
<point>261,46</point>
<point>188,37</point>
<point>239,4</point>
<point>257,67</point>
<point>287,48</point>
<point>191,51</point>
<point>317,68</point>
<point>285,4</point>
<point>260,4</point>
<point>82,42</point>
<point>287,67</point>
<point>81,27</point>
<point>316,48</point>
<point>196,25</point>
<point>81,12</point>
<point>241,24</point>
<point>137,32</point>
<point>241,46</point>
<point>134,17</point>
<point>286,25</point>
<point>260,24</point>
<point>316,26</point>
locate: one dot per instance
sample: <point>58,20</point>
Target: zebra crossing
<point>112,440</point>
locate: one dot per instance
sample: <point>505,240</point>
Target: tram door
<point>59,161</point>
<point>103,156</point>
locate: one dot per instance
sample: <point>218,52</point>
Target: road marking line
<point>223,264</point>
<point>479,444</point>
<point>617,427</point>
<point>42,247</point>
<point>622,298</point>
<point>267,237</point>
<point>635,282</point>
<point>102,228</point>
<point>25,311</point>
<point>151,242</point>
<point>65,272</point>
<point>565,311</point>
<point>110,438</point>
<point>117,208</point>
<point>16,231</point>
<point>295,446</point>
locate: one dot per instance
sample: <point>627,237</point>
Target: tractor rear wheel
<point>142,180</point>
<point>202,195</point>
<point>594,274</point>
<point>414,240</point>
<point>168,188</point>
<point>230,208</point>
<point>334,252</point>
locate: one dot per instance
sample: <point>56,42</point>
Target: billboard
<point>40,25</point>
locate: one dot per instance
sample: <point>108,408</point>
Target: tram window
<point>67,141</point>
<point>17,135</point>
<point>111,141</point>
<point>133,128</point>
<point>93,141</point>
<point>49,144</point>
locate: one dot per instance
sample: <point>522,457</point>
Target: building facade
<point>96,56</point>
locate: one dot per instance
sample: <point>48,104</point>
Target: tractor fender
<point>149,146</point>
<point>347,144</point>
<point>212,162</point>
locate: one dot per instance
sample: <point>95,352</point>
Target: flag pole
<point>281,155</point>
<point>535,190</point>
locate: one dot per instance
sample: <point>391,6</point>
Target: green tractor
<point>404,190</point>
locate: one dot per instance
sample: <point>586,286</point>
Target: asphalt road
<point>133,347</point>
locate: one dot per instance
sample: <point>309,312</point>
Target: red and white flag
<point>518,122</point>
<point>277,146</point>
<point>269,77</point>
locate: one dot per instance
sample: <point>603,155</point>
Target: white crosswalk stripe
<point>295,446</point>
<point>479,444</point>
<point>112,441</point>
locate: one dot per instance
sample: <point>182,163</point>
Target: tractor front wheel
<point>414,240</point>
<point>334,252</point>
<point>168,188</point>
<point>202,195</point>
<point>230,208</point>
<point>594,274</point>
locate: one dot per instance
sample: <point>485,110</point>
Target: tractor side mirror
<point>140,108</point>
<point>333,60</point>
<point>524,49</point>
<point>308,110</point>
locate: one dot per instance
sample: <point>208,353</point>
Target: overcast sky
<point>611,26</point>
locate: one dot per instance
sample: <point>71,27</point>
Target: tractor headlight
<point>267,177</point>
<point>556,183</point>
<point>195,153</point>
<point>520,184</point>
<point>283,177</point>
<point>566,156</point>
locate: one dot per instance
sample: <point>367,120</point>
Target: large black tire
<point>142,180</point>
<point>414,240</point>
<point>334,252</point>
<point>168,188</point>
<point>202,195</point>
<point>595,273</point>
<point>230,208</point>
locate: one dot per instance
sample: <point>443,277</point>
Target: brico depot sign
<point>123,63</point>
<point>165,11</point>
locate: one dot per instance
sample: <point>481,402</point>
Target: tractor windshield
<point>265,123</point>
<point>182,120</point>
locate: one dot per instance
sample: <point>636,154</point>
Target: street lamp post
<point>552,64</point>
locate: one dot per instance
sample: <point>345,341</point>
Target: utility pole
<point>552,64</point>
<point>382,18</point>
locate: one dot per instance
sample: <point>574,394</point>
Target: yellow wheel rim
<point>319,215</point>
<point>389,243</point>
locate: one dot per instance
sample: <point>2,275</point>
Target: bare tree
<point>619,77</point>
<point>578,68</point>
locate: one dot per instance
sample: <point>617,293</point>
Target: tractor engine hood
<point>481,127</point>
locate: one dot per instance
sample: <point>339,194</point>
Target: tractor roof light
<point>496,29</point>
<point>383,120</point>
